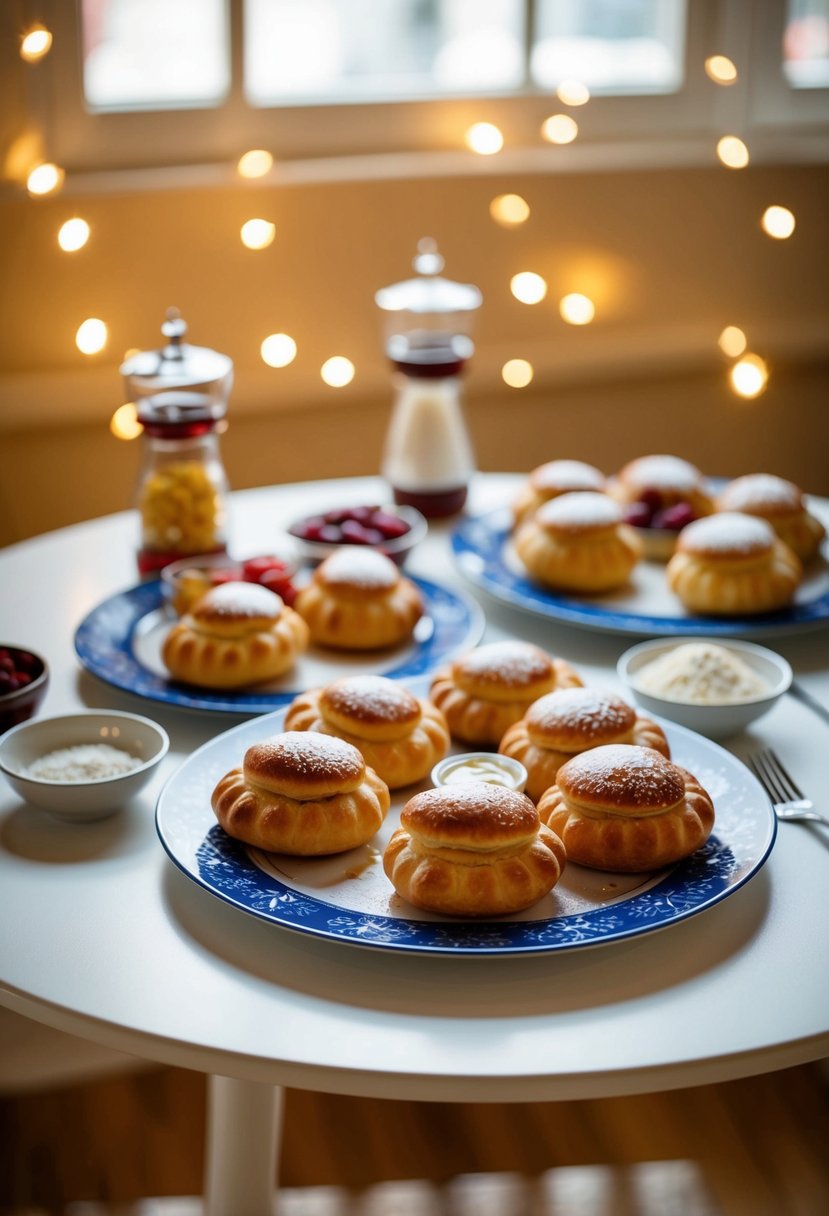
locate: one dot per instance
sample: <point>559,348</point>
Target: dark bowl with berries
<point>393,530</point>
<point>24,678</point>
<point>658,526</point>
<point>186,581</point>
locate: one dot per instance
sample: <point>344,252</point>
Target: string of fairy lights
<point>748,372</point>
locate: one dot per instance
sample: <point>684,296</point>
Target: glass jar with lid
<point>428,458</point>
<point>181,395</point>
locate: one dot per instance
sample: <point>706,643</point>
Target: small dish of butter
<point>481,766</point>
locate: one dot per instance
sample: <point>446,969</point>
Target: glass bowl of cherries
<point>185,581</point>
<point>391,530</point>
<point>658,523</point>
<point>24,677</point>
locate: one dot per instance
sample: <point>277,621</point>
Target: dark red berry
<point>674,518</point>
<point>638,514</point>
<point>391,526</point>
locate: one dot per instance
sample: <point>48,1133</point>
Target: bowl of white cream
<point>490,767</point>
<point>82,766</point>
<point>713,687</point>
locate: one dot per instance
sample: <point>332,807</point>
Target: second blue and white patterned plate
<point>483,553</point>
<point>348,898</point>
<point>120,642</point>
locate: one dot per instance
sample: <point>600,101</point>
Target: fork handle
<point>797,813</point>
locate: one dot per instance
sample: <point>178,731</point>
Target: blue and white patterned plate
<point>483,553</point>
<point>349,899</point>
<point>120,642</point>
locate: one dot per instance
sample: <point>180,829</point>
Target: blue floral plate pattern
<point>349,899</point>
<point>482,552</point>
<point>119,641</point>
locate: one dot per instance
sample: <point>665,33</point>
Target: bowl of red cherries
<point>657,523</point>
<point>24,677</point>
<point>185,581</point>
<point>391,530</point>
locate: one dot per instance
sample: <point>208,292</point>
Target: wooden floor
<point>757,1147</point>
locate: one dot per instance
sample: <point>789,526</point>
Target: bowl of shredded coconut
<point>715,688</point>
<point>82,766</point>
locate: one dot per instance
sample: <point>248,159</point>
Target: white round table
<point>104,938</point>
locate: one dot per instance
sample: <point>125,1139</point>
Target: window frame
<point>632,130</point>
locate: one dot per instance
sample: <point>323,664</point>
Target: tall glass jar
<point>182,494</point>
<point>428,459</point>
<point>181,395</point>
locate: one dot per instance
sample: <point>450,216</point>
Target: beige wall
<point>669,256</point>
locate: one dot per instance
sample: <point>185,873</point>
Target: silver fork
<point>784,794</point>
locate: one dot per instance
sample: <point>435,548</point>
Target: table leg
<point>243,1126</point>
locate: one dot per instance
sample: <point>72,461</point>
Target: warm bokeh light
<point>778,222</point>
<point>91,337</point>
<point>517,373</point>
<point>528,287</point>
<point>484,138</point>
<point>509,210</point>
<point>73,235</point>
<point>337,371</point>
<point>573,93</point>
<point>732,341</point>
<point>576,309</point>
<point>44,179</point>
<point>749,376</point>
<point>721,69</point>
<point>559,129</point>
<point>124,422</point>
<point>732,152</point>
<point>36,43</point>
<point>255,163</point>
<point>258,234</point>
<point>278,350</point>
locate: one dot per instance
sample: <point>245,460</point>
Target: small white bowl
<point>713,721</point>
<point>82,801</point>
<point>515,775</point>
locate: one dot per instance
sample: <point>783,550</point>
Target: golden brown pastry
<point>301,793</point>
<point>399,735</point>
<point>358,600</point>
<point>661,482</point>
<point>732,564</point>
<point>472,850</point>
<point>570,721</point>
<point>237,634</point>
<point>552,479</point>
<point>627,809</point>
<point>780,503</point>
<point>484,691</point>
<point>579,542</point>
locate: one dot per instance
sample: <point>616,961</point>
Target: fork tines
<point>774,776</point>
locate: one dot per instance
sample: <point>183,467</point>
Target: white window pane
<point>806,44</point>
<point>338,50</point>
<point>154,53</point>
<point>612,46</point>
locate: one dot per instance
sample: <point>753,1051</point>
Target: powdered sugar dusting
<point>519,663</point>
<point>467,804</point>
<point>567,475</point>
<point>580,510</point>
<point>662,473</point>
<point>727,532</point>
<point>757,491</point>
<point>355,566</point>
<point>622,775</point>
<point>307,752</point>
<point>241,600</point>
<point>371,697</point>
<point>586,711</point>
